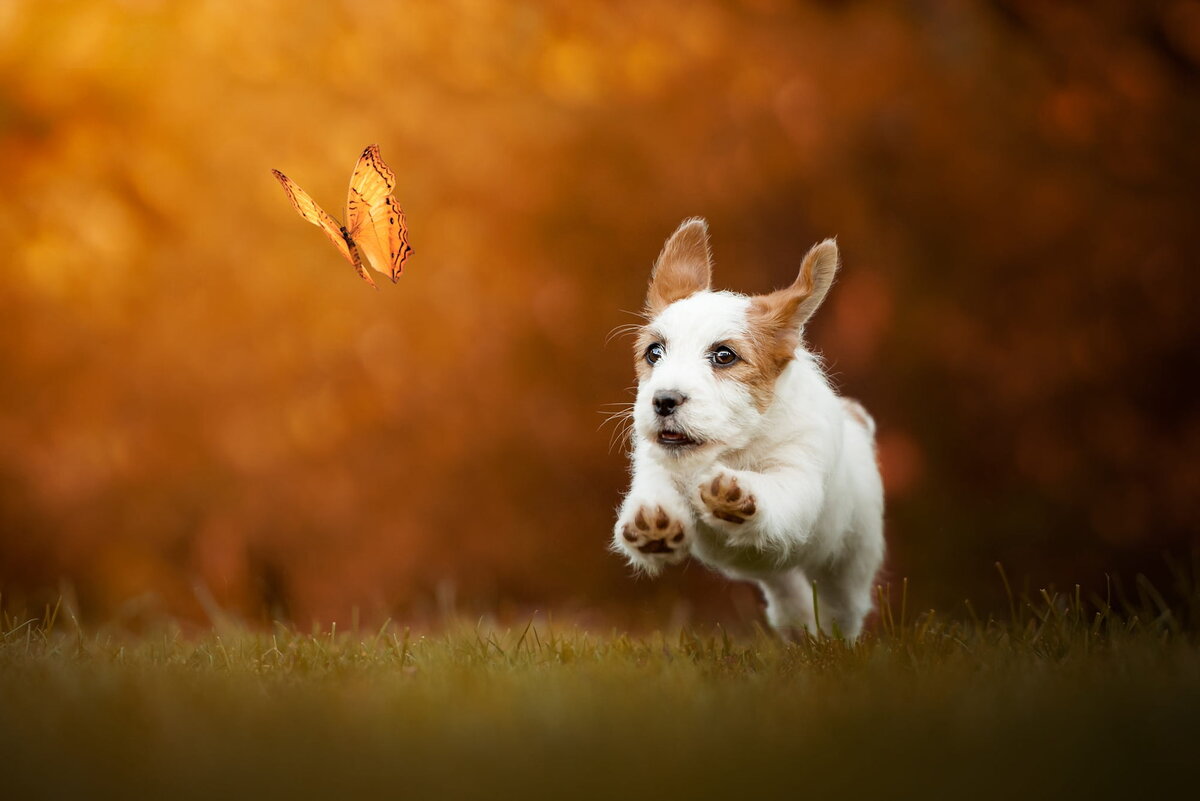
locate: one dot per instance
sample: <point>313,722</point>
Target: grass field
<point>1067,698</point>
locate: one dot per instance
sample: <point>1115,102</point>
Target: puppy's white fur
<point>777,482</point>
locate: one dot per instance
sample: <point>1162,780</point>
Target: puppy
<point>743,455</point>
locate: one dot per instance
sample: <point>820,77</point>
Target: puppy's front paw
<point>651,536</point>
<point>726,500</point>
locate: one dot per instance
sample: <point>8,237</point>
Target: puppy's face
<point>708,362</point>
<point>703,378</point>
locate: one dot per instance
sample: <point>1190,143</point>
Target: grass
<point>1065,697</point>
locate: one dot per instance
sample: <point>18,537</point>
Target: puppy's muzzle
<point>666,401</point>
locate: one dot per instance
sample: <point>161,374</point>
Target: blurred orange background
<point>201,400</point>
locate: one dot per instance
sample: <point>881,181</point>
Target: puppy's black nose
<point>665,401</point>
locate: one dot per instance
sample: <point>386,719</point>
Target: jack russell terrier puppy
<point>743,455</point>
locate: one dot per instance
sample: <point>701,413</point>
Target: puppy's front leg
<point>655,524</point>
<point>776,509</point>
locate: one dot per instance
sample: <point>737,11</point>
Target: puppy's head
<point>708,361</point>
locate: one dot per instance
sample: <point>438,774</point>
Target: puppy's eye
<point>654,353</point>
<point>723,356</point>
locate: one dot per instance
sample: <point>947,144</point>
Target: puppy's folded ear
<point>683,268</point>
<point>783,313</point>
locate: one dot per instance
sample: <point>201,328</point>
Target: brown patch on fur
<point>774,323</point>
<point>645,338</point>
<point>758,367</point>
<point>859,415</point>
<point>724,498</point>
<point>683,268</point>
<point>857,412</point>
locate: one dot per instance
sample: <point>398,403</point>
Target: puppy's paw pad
<point>653,531</point>
<point>726,500</point>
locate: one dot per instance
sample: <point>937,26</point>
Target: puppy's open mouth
<point>675,439</point>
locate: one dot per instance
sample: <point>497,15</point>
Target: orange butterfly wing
<point>374,218</point>
<point>309,210</point>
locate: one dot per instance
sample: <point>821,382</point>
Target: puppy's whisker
<point>622,419</point>
<point>625,329</point>
<point>621,410</point>
<point>628,404</point>
<point>622,432</point>
<point>615,417</point>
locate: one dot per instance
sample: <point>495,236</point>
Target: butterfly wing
<point>309,210</point>
<point>374,218</point>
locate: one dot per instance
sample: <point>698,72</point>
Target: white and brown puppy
<point>743,455</point>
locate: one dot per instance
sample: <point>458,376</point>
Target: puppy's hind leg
<point>789,598</point>
<point>844,597</point>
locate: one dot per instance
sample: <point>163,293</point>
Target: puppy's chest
<point>746,560</point>
<point>764,456</point>
<point>687,480</point>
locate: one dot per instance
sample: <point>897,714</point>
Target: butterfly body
<point>356,257</point>
<point>375,234</point>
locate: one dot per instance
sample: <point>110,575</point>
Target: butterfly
<point>375,234</point>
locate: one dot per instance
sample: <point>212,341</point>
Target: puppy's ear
<point>683,268</point>
<point>782,314</point>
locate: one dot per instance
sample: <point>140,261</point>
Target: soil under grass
<point>1064,700</point>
